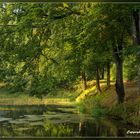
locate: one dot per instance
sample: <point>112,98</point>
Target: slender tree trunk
<point>119,73</point>
<point>108,74</point>
<point>82,128</point>
<point>84,80</point>
<point>98,79</point>
<point>139,79</point>
<point>136,19</point>
<point>136,34</point>
<point>97,130</point>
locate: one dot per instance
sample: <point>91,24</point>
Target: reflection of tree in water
<point>36,131</point>
<point>120,132</point>
<point>56,124</point>
<point>60,129</point>
<point>6,131</point>
<point>22,110</point>
<point>82,128</point>
<point>99,128</point>
<point>87,128</point>
<point>13,130</point>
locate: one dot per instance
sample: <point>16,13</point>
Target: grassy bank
<point>8,97</point>
<point>105,103</point>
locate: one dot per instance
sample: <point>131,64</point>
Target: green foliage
<point>130,68</point>
<point>113,72</point>
<point>98,112</point>
<point>92,106</point>
<point>119,111</point>
<point>128,112</point>
<point>63,93</point>
<point>47,46</point>
<point>58,130</point>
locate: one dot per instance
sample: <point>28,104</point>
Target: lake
<point>56,121</point>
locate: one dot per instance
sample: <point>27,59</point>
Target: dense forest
<point>47,47</point>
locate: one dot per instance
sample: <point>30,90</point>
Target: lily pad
<point>36,123</point>
<point>22,129</point>
<point>5,119</point>
<point>18,121</point>
<point>68,110</point>
<point>51,113</point>
<point>34,117</point>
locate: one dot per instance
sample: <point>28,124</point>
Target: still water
<point>55,121</point>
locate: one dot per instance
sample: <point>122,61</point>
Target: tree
<point>136,33</point>
<point>117,27</point>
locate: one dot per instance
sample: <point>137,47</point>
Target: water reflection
<point>59,121</point>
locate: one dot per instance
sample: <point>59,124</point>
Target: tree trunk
<point>139,79</point>
<point>98,79</point>
<point>136,19</point>
<point>97,129</point>
<point>136,32</point>
<point>82,128</point>
<point>108,74</point>
<point>119,81</point>
<point>119,73</point>
<point>84,81</point>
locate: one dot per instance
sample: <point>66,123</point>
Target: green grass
<point>91,90</point>
<point>91,105</point>
<point>63,93</point>
<point>8,97</point>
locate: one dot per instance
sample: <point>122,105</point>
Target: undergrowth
<point>129,112</point>
<point>92,106</point>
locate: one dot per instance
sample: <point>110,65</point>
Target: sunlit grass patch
<point>61,101</point>
<point>36,101</point>
<point>8,97</point>
<point>92,91</point>
<point>83,95</point>
<point>6,108</point>
<point>25,99</point>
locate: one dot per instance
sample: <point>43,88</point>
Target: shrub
<point>92,106</point>
<point>127,112</point>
